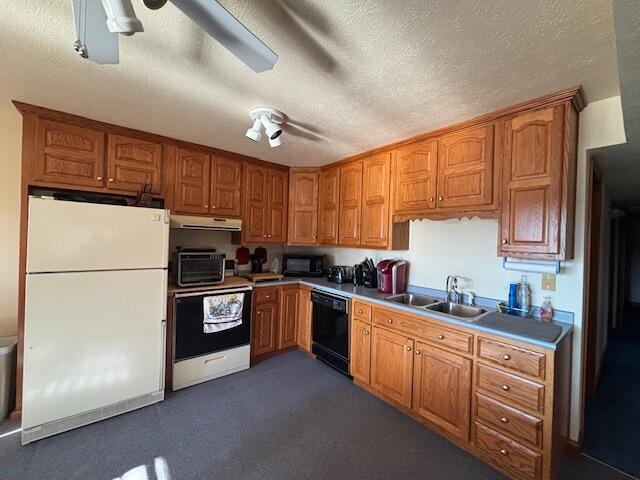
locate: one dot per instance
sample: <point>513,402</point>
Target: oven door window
<point>190,339</point>
<point>194,270</point>
<point>331,329</point>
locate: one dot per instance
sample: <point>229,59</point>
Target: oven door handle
<point>213,293</point>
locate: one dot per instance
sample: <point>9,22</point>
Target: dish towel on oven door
<point>222,312</point>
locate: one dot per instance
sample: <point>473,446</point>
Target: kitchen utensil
<point>242,255</point>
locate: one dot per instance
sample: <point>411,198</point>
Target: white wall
<point>468,247</point>
<point>10,148</point>
<point>604,280</point>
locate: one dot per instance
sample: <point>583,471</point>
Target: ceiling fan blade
<point>226,29</point>
<point>100,45</point>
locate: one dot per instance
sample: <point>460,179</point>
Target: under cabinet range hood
<point>206,223</point>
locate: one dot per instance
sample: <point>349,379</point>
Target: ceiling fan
<point>98,24</point>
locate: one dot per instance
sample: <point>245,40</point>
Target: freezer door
<point>91,339</point>
<point>73,236</point>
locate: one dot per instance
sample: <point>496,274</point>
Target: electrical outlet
<point>549,282</point>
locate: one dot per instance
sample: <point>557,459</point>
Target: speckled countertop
<point>492,322</point>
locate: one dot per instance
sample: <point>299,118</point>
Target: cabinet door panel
<point>277,206</point>
<point>68,155</point>
<point>192,182</point>
<point>303,208</point>
<point>265,329</point>
<point>376,187</point>
<point>532,182</point>
<point>304,319</point>
<point>132,162</point>
<point>329,204</point>
<point>256,199</point>
<point>392,365</point>
<point>226,177</point>
<point>415,177</point>
<point>288,318</point>
<point>350,204</point>
<point>465,168</point>
<point>442,389</point>
<point>360,351</point>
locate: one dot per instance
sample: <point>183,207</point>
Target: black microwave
<point>199,266</point>
<point>303,265</point>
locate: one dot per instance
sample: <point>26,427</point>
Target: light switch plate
<point>549,282</point>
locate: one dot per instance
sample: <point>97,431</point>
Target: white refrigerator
<point>95,313</point>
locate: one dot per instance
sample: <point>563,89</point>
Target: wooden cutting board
<point>263,277</point>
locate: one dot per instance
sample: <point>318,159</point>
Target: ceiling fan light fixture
<point>273,130</point>
<point>121,17</point>
<point>275,142</point>
<point>272,121</point>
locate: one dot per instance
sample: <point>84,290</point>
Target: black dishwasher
<point>331,330</point>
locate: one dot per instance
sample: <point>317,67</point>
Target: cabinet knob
<point>264,236</point>
<point>504,419</point>
<point>440,337</point>
<point>440,198</point>
<point>315,236</point>
<point>417,352</point>
<point>206,206</point>
<point>266,296</point>
<point>268,236</point>
<point>505,241</point>
<point>98,178</point>
<point>213,206</point>
<point>408,349</point>
<point>360,312</point>
<point>503,451</point>
<point>366,332</point>
<point>260,313</point>
<point>506,388</point>
<point>506,356</point>
<point>430,199</point>
<point>111,180</point>
<point>389,320</point>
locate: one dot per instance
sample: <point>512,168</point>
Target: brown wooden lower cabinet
<point>512,420</point>
<point>288,317</point>
<point>304,318</point>
<point>264,332</point>
<point>442,388</point>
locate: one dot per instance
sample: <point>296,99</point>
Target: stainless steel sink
<point>457,309</point>
<point>412,300</point>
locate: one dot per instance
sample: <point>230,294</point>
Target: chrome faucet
<point>452,287</point>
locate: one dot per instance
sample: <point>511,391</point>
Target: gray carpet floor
<point>288,417</point>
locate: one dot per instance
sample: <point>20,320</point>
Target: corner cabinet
<point>265,203</point>
<point>539,182</point>
<point>303,206</point>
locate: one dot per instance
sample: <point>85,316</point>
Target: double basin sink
<point>458,310</point>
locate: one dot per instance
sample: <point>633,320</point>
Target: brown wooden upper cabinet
<point>67,155</point>
<point>207,185</point>
<point>450,176</point>
<point>539,183</point>
<point>266,197</point>
<point>376,190</point>
<point>132,162</point>
<point>415,177</point>
<point>303,206</point>
<point>466,169</point>
<point>329,215</point>
<point>350,203</point>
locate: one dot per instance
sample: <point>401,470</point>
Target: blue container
<point>513,295</point>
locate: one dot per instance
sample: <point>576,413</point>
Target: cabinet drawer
<point>362,311</point>
<point>519,425</point>
<point>266,294</point>
<point>461,341</point>
<point>512,388</point>
<point>207,367</point>
<point>508,454</point>
<point>512,357</point>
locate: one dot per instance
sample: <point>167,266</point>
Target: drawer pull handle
<point>221,357</point>
<point>366,332</point>
<point>389,320</point>
<point>440,337</point>
<point>408,349</point>
<point>506,388</point>
<point>503,451</point>
<point>506,356</point>
<point>504,419</point>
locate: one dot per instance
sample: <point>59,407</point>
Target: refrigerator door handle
<point>163,356</point>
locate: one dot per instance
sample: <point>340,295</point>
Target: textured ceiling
<point>620,164</point>
<point>352,75</point>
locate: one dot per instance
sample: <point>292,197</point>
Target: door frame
<point>593,221</point>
